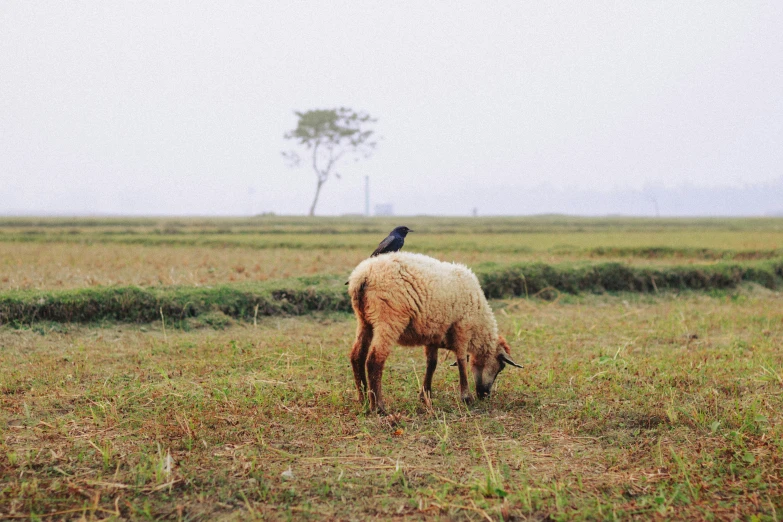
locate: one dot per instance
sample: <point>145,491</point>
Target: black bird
<point>393,241</point>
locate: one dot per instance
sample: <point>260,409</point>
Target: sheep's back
<point>430,294</point>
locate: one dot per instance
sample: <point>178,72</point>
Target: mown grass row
<point>300,296</point>
<point>359,224</point>
<point>432,242</point>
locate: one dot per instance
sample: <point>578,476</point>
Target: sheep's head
<point>486,369</point>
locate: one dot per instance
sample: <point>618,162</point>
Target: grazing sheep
<point>412,300</point>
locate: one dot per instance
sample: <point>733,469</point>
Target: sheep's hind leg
<point>359,358</point>
<point>432,362</point>
<point>382,341</point>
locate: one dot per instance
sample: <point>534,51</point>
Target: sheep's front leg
<point>359,358</point>
<point>464,389</point>
<point>379,350</point>
<point>432,362</point>
<point>457,341</point>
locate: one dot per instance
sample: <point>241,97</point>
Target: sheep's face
<point>486,370</point>
<point>485,375</point>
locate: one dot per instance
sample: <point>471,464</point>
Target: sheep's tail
<point>357,297</point>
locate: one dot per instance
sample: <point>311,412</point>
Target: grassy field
<point>628,407</point>
<point>662,406</point>
<point>60,253</point>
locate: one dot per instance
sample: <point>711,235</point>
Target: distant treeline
<point>328,293</point>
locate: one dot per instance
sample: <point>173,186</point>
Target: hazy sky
<point>180,108</point>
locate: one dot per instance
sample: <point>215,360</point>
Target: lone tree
<point>328,136</point>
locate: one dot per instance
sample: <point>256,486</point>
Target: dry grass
<point>57,265</point>
<point>629,407</point>
<point>67,265</point>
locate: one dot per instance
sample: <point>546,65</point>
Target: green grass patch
<point>533,278</point>
<point>297,296</point>
<point>137,305</point>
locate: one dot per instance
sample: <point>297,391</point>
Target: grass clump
<point>215,320</point>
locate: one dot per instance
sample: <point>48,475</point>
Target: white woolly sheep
<point>413,300</point>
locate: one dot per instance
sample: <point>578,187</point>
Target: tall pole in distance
<point>366,196</point>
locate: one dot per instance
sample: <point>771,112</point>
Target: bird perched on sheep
<point>414,300</point>
<point>393,242</point>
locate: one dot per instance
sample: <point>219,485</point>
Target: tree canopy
<point>328,136</point>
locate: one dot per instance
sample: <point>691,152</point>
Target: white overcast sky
<point>180,108</point>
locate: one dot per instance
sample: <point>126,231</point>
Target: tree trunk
<point>315,200</point>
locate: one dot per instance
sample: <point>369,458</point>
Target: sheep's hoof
<point>380,409</point>
<point>426,398</point>
<point>393,420</point>
<point>468,399</point>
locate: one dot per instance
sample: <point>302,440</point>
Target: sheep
<point>411,300</point>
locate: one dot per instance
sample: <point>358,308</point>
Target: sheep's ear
<point>504,344</point>
<point>504,357</point>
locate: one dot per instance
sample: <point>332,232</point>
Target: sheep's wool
<point>419,298</point>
